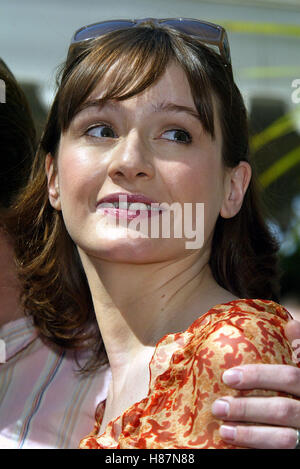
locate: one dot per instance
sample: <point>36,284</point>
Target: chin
<point>135,251</point>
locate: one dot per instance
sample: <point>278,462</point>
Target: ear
<point>53,186</point>
<point>237,182</point>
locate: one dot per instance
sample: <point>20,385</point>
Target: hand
<point>280,411</point>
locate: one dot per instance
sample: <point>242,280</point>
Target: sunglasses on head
<point>208,33</point>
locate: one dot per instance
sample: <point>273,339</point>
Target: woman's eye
<point>101,131</point>
<point>177,135</point>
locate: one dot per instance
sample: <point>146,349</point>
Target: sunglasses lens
<point>226,48</point>
<point>98,29</point>
<point>203,31</point>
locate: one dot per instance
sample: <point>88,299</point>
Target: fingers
<point>292,330</point>
<point>251,436</point>
<point>284,378</point>
<point>279,411</point>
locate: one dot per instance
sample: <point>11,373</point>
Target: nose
<point>131,160</point>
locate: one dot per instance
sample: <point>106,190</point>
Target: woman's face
<point>150,145</point>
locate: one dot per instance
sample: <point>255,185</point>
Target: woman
<point>147,116</point>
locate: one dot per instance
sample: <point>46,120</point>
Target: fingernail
<point>220,408</point>
<point>232,377</point>
<point>228,433</point>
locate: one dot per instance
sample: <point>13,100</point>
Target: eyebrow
<point>161,107</point>
<point>99,103</point>
<point>172,107</point>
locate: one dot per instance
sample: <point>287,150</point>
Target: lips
<point>123,197</point>
<point>125,205</point>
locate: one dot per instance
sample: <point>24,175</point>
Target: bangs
<point>128,62</point>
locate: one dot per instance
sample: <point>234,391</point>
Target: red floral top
<point>186,377</point>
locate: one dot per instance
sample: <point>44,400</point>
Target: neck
<point>136,305</point>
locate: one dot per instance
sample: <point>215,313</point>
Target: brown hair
<point>243,260</point>
<point>17,136</point>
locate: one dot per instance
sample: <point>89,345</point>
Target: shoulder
<point>244,331</point>
<point>254,306</point>
<point>246,308</point>
<point>232,334</point>
<point>242,313</point>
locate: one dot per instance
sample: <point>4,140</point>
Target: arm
<point>281,411</point>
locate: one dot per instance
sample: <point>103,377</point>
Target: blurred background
<point>264,37</point>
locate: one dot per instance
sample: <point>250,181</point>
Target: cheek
<point>199,181</point>
<point>80,177</point>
